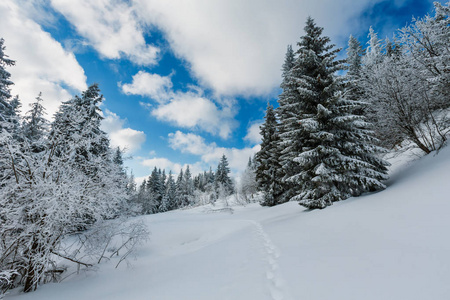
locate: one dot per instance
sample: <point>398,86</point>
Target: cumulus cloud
<point>253,135</point>
<point>161,163</point>
<point>154,86</point>
<point>112,27</point>
<point>42,65</point>
<point>210,153</point>
<point>237,47</point>
<point>189,143</point>
<point>188,109</point>
<point>126,138</point>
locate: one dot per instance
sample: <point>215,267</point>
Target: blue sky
<point>184,81</point>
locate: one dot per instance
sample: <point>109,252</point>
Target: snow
<point>388,245</point>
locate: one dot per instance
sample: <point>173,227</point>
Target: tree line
<point>160,192</point>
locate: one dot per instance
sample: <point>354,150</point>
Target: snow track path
<point>277,285</point>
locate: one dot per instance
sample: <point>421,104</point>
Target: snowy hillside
<point>389,245</point>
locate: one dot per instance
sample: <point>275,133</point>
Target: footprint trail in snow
<point>276,283</point>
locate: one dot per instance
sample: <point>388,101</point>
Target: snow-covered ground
<point>392,244</point>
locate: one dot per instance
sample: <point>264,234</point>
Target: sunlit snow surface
<point>392,244</point>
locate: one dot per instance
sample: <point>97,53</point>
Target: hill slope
<point>388,245</point>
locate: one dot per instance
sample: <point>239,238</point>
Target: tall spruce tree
<point>288,126</point>
<point>332,149</point>
<point>77,128</point>
<point>179,184</point>
<point>188,187</point>
<point>155,190</point>
<point>223,181</point>
<point>5,82</point>
<point>169,200</point>
<point>355,53</point>
<point>35,125</point>
<point>76,136</point>
<point>268,172</point>
<point>7,109</point>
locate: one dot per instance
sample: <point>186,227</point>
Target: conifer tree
<point>5,83</point>
<point>374,49</point>
<point>179,189</point>
<point>169,201</point>
<point>155,191</point>
<point>187,188</point>
<point>77,128</point>
<point>76,136</point>
<point>142,198</point>
<point>355,53</point>
<point>210,185</point>
<point>222,178</point>
<point>268,172</point>
<point>288,127</point>
<point>332,148</point>
<point>35,125</point>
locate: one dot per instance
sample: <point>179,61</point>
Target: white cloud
<point>210,154</point>
<point>190,110</point>
<point>112,27</point>
<point>184,109</point>
<point>150,85</point>
<point>189,143</point>
<point>161,163</point>
<point>168,165</point>
<point>237,47</point>
<point>253,133</point>
<point>129,139</point>
<point>42,65</point>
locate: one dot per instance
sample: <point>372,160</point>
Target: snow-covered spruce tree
<point>355,53</point>
<point>188,188</point>
<point>142,198</point>
<point>179,189</point>
<point>35,125</point>
<point>288,127</point>
<point>268,172</point>
<point>134,205</point>
<point>169,201</point>
<point>13,118</point>
<point>210,186</point>
<point>124,183</point>
<point>77,127</point>
<point>337,156</point>
<point>78,138</point>
<point>223,184</point>
<point>9,106</point>
<point>155,191</point>
<point>5,83</point>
